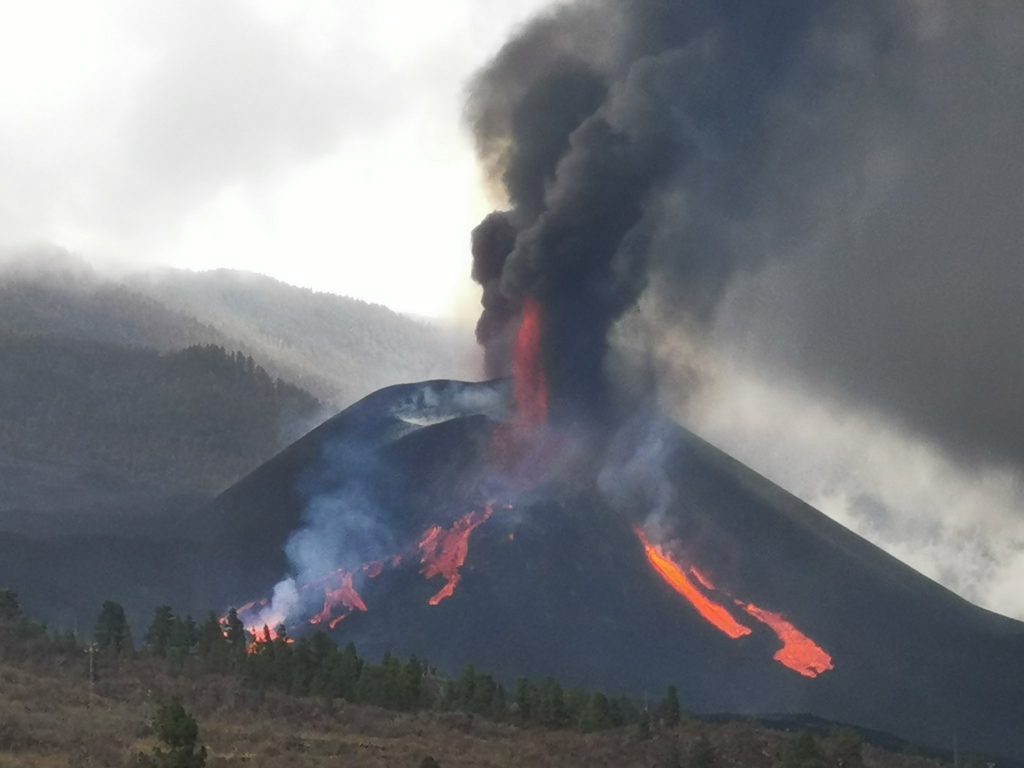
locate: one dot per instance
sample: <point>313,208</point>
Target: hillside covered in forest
<point>130,399</point>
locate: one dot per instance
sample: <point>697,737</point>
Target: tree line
<point>315,666</point>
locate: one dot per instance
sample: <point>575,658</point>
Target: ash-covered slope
<point>534,566</point>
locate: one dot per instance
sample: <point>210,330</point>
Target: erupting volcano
<point>625,559</point>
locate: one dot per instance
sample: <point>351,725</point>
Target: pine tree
<point>184,637</point>
<point>668,710</point>
<point>551,707</point>
<point>112,632</point>
<point>161,629</point>
<point>178,731</point>
<point>236,636</point>
<point>598,714</point>
<point>525,700</point>
<point>211,644</point>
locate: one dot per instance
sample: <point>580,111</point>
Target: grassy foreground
<point>50,716</point>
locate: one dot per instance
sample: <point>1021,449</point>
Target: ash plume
<point>826,189</point>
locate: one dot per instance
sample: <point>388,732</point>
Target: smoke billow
<point>821,194</point>
<point>828,188</point>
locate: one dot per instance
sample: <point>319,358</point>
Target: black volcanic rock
<point>559,585</point>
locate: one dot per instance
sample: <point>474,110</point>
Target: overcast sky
<point>318,142</point>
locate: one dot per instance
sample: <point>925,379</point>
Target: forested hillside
<point>338,348</point>
<point>200,417</point>
<point>78,305</point>
<point>129,398</point>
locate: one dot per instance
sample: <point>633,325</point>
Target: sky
<point>315,141</point>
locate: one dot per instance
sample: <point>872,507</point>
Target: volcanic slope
<point>748,599</point>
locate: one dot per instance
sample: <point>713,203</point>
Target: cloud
<point>191,98</point>
<point>276,137</point>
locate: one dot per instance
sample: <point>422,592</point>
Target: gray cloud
<point>234,98</point>
<point>889,225</point>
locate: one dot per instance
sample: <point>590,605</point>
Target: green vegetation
<point>669,710</point>
<point>112,633</point>
<point>314,665</point>
<point>178,732</point>
<point>803,751</point>
<point>310,703</point>
<point>200,417</point>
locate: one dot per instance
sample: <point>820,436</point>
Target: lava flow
<point>340,602</point>
<point>714,613</point>
<point>443,552</point>
<point>798,652</point>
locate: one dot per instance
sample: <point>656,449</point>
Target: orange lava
<point>674,575</point>
<point>798,652</point>
<point>261,638</point>
<point>702,578</point>
<point>531,387</point>
<point>339,602</point>
<point>443,552</point>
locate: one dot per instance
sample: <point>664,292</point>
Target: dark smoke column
<point>588,119</point>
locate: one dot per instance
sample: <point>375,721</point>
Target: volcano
<point>533,562</point>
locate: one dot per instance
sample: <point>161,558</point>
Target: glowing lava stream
<point>443,552</point>
<point>344,596</point>
<point>798,651</point>
<point>673,575</point>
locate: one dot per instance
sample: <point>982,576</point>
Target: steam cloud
<point>820,194</point>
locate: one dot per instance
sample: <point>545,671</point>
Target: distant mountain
<point>338,348</point>
<point>77,304</point>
